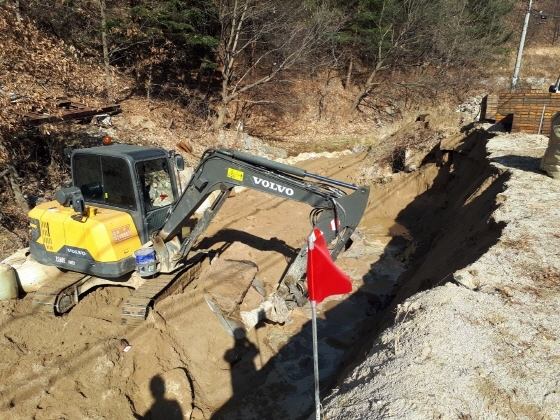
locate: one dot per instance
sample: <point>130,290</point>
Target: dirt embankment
<point>440,226</point>
<point>484,342</point>
<point>181,359</point>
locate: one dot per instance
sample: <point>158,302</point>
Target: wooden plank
<point>529,120</point>
<point>489,107</point>
<point>68,111</point>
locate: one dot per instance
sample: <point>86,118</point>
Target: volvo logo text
<point>76,251</point>
<point>272,186</point>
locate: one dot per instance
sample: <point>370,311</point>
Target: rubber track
<point>135,309</point>
<point>45,298</point>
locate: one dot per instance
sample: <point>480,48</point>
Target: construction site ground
<point>454,313</point>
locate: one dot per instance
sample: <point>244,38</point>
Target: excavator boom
<point>335,213</point>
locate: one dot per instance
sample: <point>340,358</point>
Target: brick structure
<point>489,107</point>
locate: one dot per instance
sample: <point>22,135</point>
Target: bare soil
<point>73,366</point>
<point>450,285</point>
<point>482,342</point>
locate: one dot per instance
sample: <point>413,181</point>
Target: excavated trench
<point>418,229</point>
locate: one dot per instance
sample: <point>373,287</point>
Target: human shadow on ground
<point>283,388</point>
<point>524,163</point>
<point>162,408</point>
<point>241,361</point>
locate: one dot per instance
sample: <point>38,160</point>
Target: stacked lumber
<point>489,107</point>
<point>529,120</point>
<point>522,112</point>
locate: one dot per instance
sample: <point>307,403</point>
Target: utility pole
<point>521,45</point>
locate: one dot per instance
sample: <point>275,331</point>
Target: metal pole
<point>521,45</point>
<point>315,360</point>
<point>542,119</point>
<point>332,181</point>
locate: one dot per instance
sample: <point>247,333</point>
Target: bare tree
<point>422,33</point>
<point>389,33</point>
<point>17,10</point>
<point>261,39</point>
<point>108,86</point>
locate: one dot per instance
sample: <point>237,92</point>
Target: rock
<point>254,144</point>
<point>471,106</point>
<point>273,308</point>
<point>251,300</point>
<point>357,249</point>
<point>467,279</point>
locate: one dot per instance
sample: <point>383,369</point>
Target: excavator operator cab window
<point>104,180</point>
<point>156,183</point>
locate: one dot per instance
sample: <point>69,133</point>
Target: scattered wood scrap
<point>185,146</point>
<point>67,110</point>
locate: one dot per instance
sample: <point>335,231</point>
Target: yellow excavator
<point>126,210</point>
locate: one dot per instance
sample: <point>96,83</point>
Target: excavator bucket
<point>232,326</point>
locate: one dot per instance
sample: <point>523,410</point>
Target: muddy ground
<point>419,229</point>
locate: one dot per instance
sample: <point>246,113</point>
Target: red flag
<point>324,279</point>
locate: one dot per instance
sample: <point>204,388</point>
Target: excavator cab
<point>120,194</point>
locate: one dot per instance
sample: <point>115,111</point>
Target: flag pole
<point>315,359</point>
<point>324,279</point>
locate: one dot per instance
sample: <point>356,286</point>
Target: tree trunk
<point>18,14</point>
<point>222,111</point>
<point>367,88</point>
<point>108,86</point>
<point>149,84</point>
<point>556,31</point>
<point>349,73</point>
<point>11,176</point>
<point>20,199</point>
